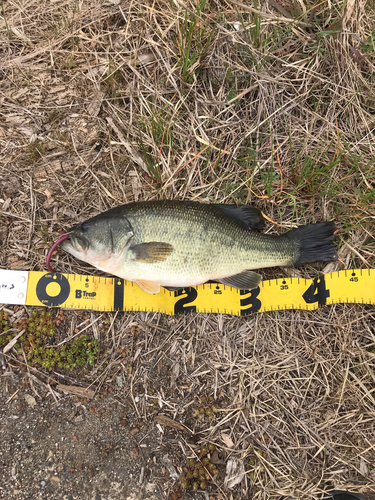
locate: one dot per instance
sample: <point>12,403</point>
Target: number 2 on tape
<point>191,295</point>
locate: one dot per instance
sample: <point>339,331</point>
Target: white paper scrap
<point>13,286</point>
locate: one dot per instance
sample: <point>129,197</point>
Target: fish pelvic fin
<point>247,280</point>
<point>148,286</point>
<point>152,252</point>
<point>313,243</point>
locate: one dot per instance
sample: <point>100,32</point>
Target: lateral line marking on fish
<point>110,294</point>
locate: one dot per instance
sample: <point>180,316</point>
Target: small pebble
<point>42,484</point>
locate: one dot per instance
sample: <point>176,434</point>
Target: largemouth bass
<point>181,243</point>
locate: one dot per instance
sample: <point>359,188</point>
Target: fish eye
<point>85,227</point>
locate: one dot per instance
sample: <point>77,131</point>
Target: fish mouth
<point>75,245</point>
<point>72,244</point>
<point>61,240</point>
<point>66,245</point>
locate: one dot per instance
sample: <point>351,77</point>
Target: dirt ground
<point>270,103</point>
<point>287,402</point>
<point>66,450</point>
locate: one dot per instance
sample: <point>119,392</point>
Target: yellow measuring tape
<point>74,291</point>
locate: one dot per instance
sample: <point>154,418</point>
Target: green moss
<point>4,323</point>
<point>39,331</point>
<point>206,407</point>
<point>36,150</point>
<point>198,472</point>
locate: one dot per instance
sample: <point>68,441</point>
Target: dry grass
<point>270,103</point>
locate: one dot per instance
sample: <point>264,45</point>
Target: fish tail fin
<point>313,242</point>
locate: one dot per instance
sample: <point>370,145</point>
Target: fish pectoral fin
<point>151,252</point>
<point>148,286</point>
<point>243,281</point>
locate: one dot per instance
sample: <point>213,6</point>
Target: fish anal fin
<point>148,286</point>
<point>247,280</point>
<point>151,252</point>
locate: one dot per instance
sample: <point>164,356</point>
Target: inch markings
<point>114,294</point>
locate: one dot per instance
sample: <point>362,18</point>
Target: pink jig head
<point>64,237</point>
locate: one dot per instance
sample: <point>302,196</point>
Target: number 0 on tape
<point>75,291</point>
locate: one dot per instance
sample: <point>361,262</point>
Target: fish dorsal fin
<point>148,286</point>
<point>243,281</point>
<point>246,216</point>
<point>151,252</point>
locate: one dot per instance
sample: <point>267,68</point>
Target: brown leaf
<point>168,422</point>
<point>13,262</point>
<point>357,57</point>
<point>77,391</point>
<point>93,108</point>
<point>227,440</point>
<point>30,400</point>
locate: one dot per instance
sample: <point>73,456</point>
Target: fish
<point>178,244</point>
<point>344,495</point>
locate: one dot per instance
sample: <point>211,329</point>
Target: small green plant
<point>36,327</point>
<point>4,322</point>
<point>39,331</point>
<point>36,150</point>
<point>206,407</point>
<point>151,164</point>
<point>114,82</point>
<point>255,466</point>
<point>198,471</point>
<point>77,353</point>
<point>260,43</point>
<point>176,494</point>
<point>255,30</point>
<point>157,128</point>
<point>193,43</point>
<point>369,45</point>
<point>2,12</point>
<point>312,171</point>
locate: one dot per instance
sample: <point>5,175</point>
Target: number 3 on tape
<point>252,301</point>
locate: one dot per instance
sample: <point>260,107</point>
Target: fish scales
<point>206,244</point>
<point>179,244</point>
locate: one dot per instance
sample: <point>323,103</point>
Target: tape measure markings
<point>114,294</point>
<point>118,302</point>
